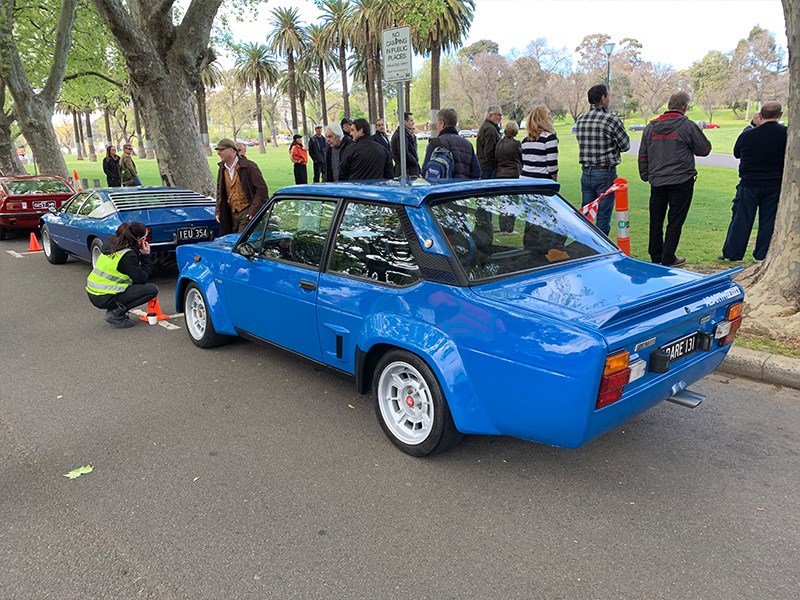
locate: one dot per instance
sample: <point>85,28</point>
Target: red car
<point>25,198</point>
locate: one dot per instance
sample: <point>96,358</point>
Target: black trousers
<point>134,295</point>
<point>319,171</point>
<point>673,202</point>
<point>300,174</point>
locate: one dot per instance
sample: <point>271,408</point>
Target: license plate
<point>682,346</point>
<point>193,234</point>
<point>45,204</point>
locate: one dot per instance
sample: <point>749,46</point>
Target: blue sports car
<point>173,216</point>
<point>472,307</point>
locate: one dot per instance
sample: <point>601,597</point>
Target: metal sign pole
<point>401,109</point>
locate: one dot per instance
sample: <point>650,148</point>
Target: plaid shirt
<point>601,138</point>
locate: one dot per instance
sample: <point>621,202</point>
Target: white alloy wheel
<point>405,402</point>
<point>196,314</point>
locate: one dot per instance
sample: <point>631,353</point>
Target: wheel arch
<point>204,280</point>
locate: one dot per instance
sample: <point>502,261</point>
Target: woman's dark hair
<point>128,236</point>
<point>295,139</point>
<point>108,151</point>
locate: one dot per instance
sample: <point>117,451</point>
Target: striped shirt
<point>540,157</point>
<point>601,138</point>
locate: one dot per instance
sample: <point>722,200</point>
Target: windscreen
<point>504,234</point>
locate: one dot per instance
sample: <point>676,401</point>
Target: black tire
<point>411,406</point>
<point>95,250</point>
<point>198,321</point>
<point>52,252</point>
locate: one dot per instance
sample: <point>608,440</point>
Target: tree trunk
<point>34,111</point>
<point>436,57</point>
<point>260,117</point>
<point>90,137</point>
<point>76,129</point>
<point>407,87</point>
<point>372,104</point>
<point>202,118</point>
<point>10,163</point>
<point>379,83</point>
<point>322,99</point>
<point>343,69</point>
<point>81,136</point>
<point>306,135</point>
<point>292,89</point>
<point>107,118</point>
<point>773,288</point>
<point>137,125</point>
<point>164,62</point>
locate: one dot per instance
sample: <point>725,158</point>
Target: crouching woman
<point>118,281</point>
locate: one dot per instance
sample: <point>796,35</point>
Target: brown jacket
<point>508,153</point>
<point>254,186</point>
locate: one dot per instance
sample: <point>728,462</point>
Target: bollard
<point>96,183</point>
<point>84,183</point>
<point>621,207</point>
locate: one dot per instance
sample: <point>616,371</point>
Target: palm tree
<point>371,18</point>
<point>320,58</point>
<point>210,77</point>
<point>306,86</point>
<point>336,15</point>
<point>288,38</point>
<point>447,31</point>
<point>255,66</point>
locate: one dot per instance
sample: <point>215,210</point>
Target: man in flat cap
<point>241,189</point>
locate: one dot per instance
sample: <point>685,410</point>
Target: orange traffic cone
<point>76,183</point>
<point>154,310</point>
<point>34,245</point>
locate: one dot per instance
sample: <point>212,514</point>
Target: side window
<point>75,204</point>
<point>92,202</point>
<point>294,231</point>
<point>371,244</point>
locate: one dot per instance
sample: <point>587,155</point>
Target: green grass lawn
<point>703,233</point>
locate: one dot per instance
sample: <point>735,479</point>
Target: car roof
<point>418,191</point>
<point>31,177</point>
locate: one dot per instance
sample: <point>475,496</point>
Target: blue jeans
<point>595,181</point>
<point>748,200</point>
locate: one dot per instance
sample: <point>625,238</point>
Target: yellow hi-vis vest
<point>105,279</point>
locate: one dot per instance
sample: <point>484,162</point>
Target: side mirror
<point>246,250</point>
<point>52,209</point>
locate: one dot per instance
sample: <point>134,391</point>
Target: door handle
<point>308,285</point>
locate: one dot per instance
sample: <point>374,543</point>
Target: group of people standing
<point>120,170</point>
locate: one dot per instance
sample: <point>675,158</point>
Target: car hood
<point>592,292</point>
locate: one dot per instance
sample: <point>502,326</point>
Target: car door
<point>271,279</point>
<point>83,226</point>
<point>371,271</point>
<point>61,226</point>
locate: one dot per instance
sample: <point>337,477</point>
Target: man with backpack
<point>450,156</point>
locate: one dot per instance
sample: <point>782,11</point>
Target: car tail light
<point>616,374</point>
<point>16,206</point>
<point>725,331</point>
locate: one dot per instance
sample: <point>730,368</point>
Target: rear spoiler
<point>656,300</point>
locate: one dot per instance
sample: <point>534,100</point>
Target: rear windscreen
<point>45,186</point>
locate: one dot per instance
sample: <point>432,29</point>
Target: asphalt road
<point>244,472</point>
<point>712,160</point>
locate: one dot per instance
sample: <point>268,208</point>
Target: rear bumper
<point>28,220</point>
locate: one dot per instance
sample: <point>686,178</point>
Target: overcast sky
<point>677,32</point>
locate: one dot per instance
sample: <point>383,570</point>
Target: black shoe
<point>678,262</point>
<point>726,259</point>
<point>118,317</point>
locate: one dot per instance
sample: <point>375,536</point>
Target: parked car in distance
<point>423,135</point>
<point>472,307</point>
<point>174,216</point>
<point>467,133</point>
<point>637,127</point>
<point>25,198</point>
<point>705,125</point>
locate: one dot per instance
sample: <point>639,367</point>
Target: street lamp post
<point>609,48</point>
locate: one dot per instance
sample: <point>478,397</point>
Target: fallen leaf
<point>79,471</point>
<point>195,479</point>
<point>350,406</point>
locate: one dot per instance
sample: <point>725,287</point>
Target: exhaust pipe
<point>685,397</point>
